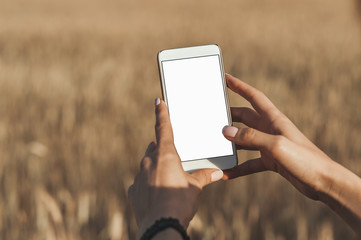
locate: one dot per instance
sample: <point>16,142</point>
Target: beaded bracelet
<point>163,224</point>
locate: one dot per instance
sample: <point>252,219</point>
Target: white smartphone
<point>194,89</point>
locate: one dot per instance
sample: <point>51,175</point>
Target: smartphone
<point>194,89</point>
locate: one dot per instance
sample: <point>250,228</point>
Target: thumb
<point>207,176</point>
<point>247,137</point>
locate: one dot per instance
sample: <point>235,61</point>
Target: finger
<point>163,128</point>
<point>249,167</point>
<point>247,116</point>
<point>131,191</point>
<point>265,107</point>
<point>146,163</point>
<point>207,176</point>
<point>257,99</point>
<point>248,137</point>
<point>146,160</point>
<point>151,147</point>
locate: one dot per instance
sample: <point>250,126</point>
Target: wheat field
<point>77,85</point>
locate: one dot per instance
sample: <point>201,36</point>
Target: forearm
<point>342,193</point>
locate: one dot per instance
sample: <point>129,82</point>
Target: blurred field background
<point>77,85</point>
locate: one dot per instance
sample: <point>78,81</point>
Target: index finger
<point>257,99</point>
<point>163,127</point>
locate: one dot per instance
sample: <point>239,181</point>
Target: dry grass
<point>77,83</point>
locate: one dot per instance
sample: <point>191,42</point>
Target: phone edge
<point>225,92</point>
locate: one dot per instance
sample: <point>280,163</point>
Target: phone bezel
<point>222,162</point>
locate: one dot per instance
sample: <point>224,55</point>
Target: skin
<point>162,186</point>
<point>285,150</point>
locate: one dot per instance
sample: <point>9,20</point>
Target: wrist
<point>333,178</point>
<point>342,193</point>
<point>158,213</point>
<point>165,228</point>
<point>322,179</point>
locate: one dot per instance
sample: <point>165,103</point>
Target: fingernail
<point>156,101</point>
<point>217,175</point>
<point>228,74</point>
<point>230,131</point>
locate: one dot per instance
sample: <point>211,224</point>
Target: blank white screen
<point>197,107</point>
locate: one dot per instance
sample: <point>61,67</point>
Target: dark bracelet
<point>163,224</point>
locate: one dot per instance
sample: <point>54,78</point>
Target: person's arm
<point>161,188</point>
<point>284,149</point>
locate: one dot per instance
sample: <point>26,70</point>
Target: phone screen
<point>197,107</point>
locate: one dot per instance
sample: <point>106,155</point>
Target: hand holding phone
<point>161,188</point>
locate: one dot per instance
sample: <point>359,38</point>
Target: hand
<point>285,150</point>
<point>162,188</point>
